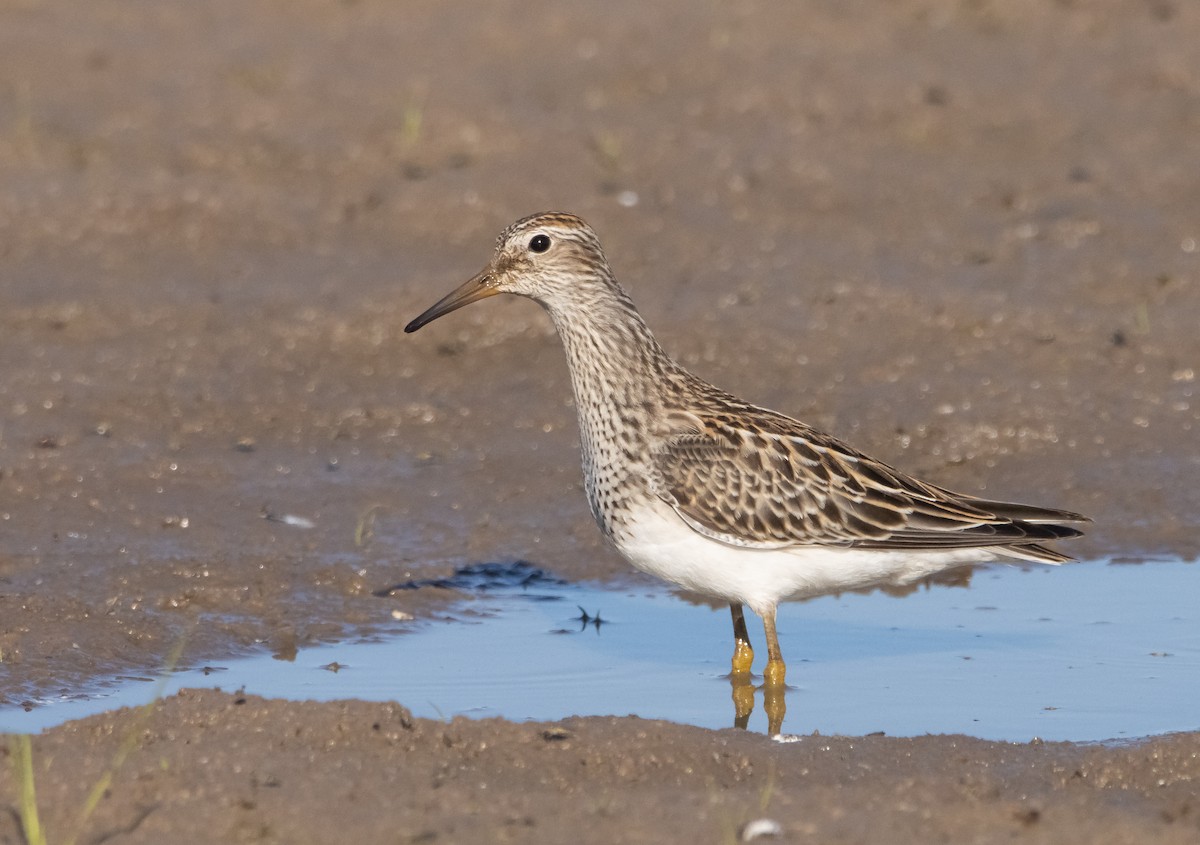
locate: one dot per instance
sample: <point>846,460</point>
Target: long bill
<point>474,289</point>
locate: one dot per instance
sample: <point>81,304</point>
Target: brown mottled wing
<point>776,483</point>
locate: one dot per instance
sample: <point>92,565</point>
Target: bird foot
<point>743,658</point>
<point>774,673</point>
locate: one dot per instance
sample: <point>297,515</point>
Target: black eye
<point>539,243</point>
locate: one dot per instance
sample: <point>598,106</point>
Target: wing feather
<point>777,483</point>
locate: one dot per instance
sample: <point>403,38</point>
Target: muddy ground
<point>964,236</point>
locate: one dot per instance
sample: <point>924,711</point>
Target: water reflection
<point>744,693</point>
<point>1080,652</point>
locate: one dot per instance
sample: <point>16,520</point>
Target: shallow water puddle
<point>1078,652</point>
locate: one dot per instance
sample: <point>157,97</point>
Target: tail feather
<point>1029,513</point>
<point>1036,553</point>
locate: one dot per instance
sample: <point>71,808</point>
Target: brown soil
<point>227,768</point>
<point>964,236</point>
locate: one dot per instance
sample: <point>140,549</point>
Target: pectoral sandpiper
<point>719,496</point>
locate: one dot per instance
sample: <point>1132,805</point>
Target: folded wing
<point>778,483</point>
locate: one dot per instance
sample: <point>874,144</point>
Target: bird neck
<point>619,374</point>
<point>614,360</point>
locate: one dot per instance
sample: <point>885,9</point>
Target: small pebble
<point>760,828</point>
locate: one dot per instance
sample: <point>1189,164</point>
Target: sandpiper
<point>719,496</point>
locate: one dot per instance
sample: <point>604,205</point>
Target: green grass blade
<point>31,822</point>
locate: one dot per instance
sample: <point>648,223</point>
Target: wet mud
<point>303,772</point>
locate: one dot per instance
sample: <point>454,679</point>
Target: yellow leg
<point>774,674</point>
<point>743,654</point>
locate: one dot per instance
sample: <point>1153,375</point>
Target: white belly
<point>659,543</point>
